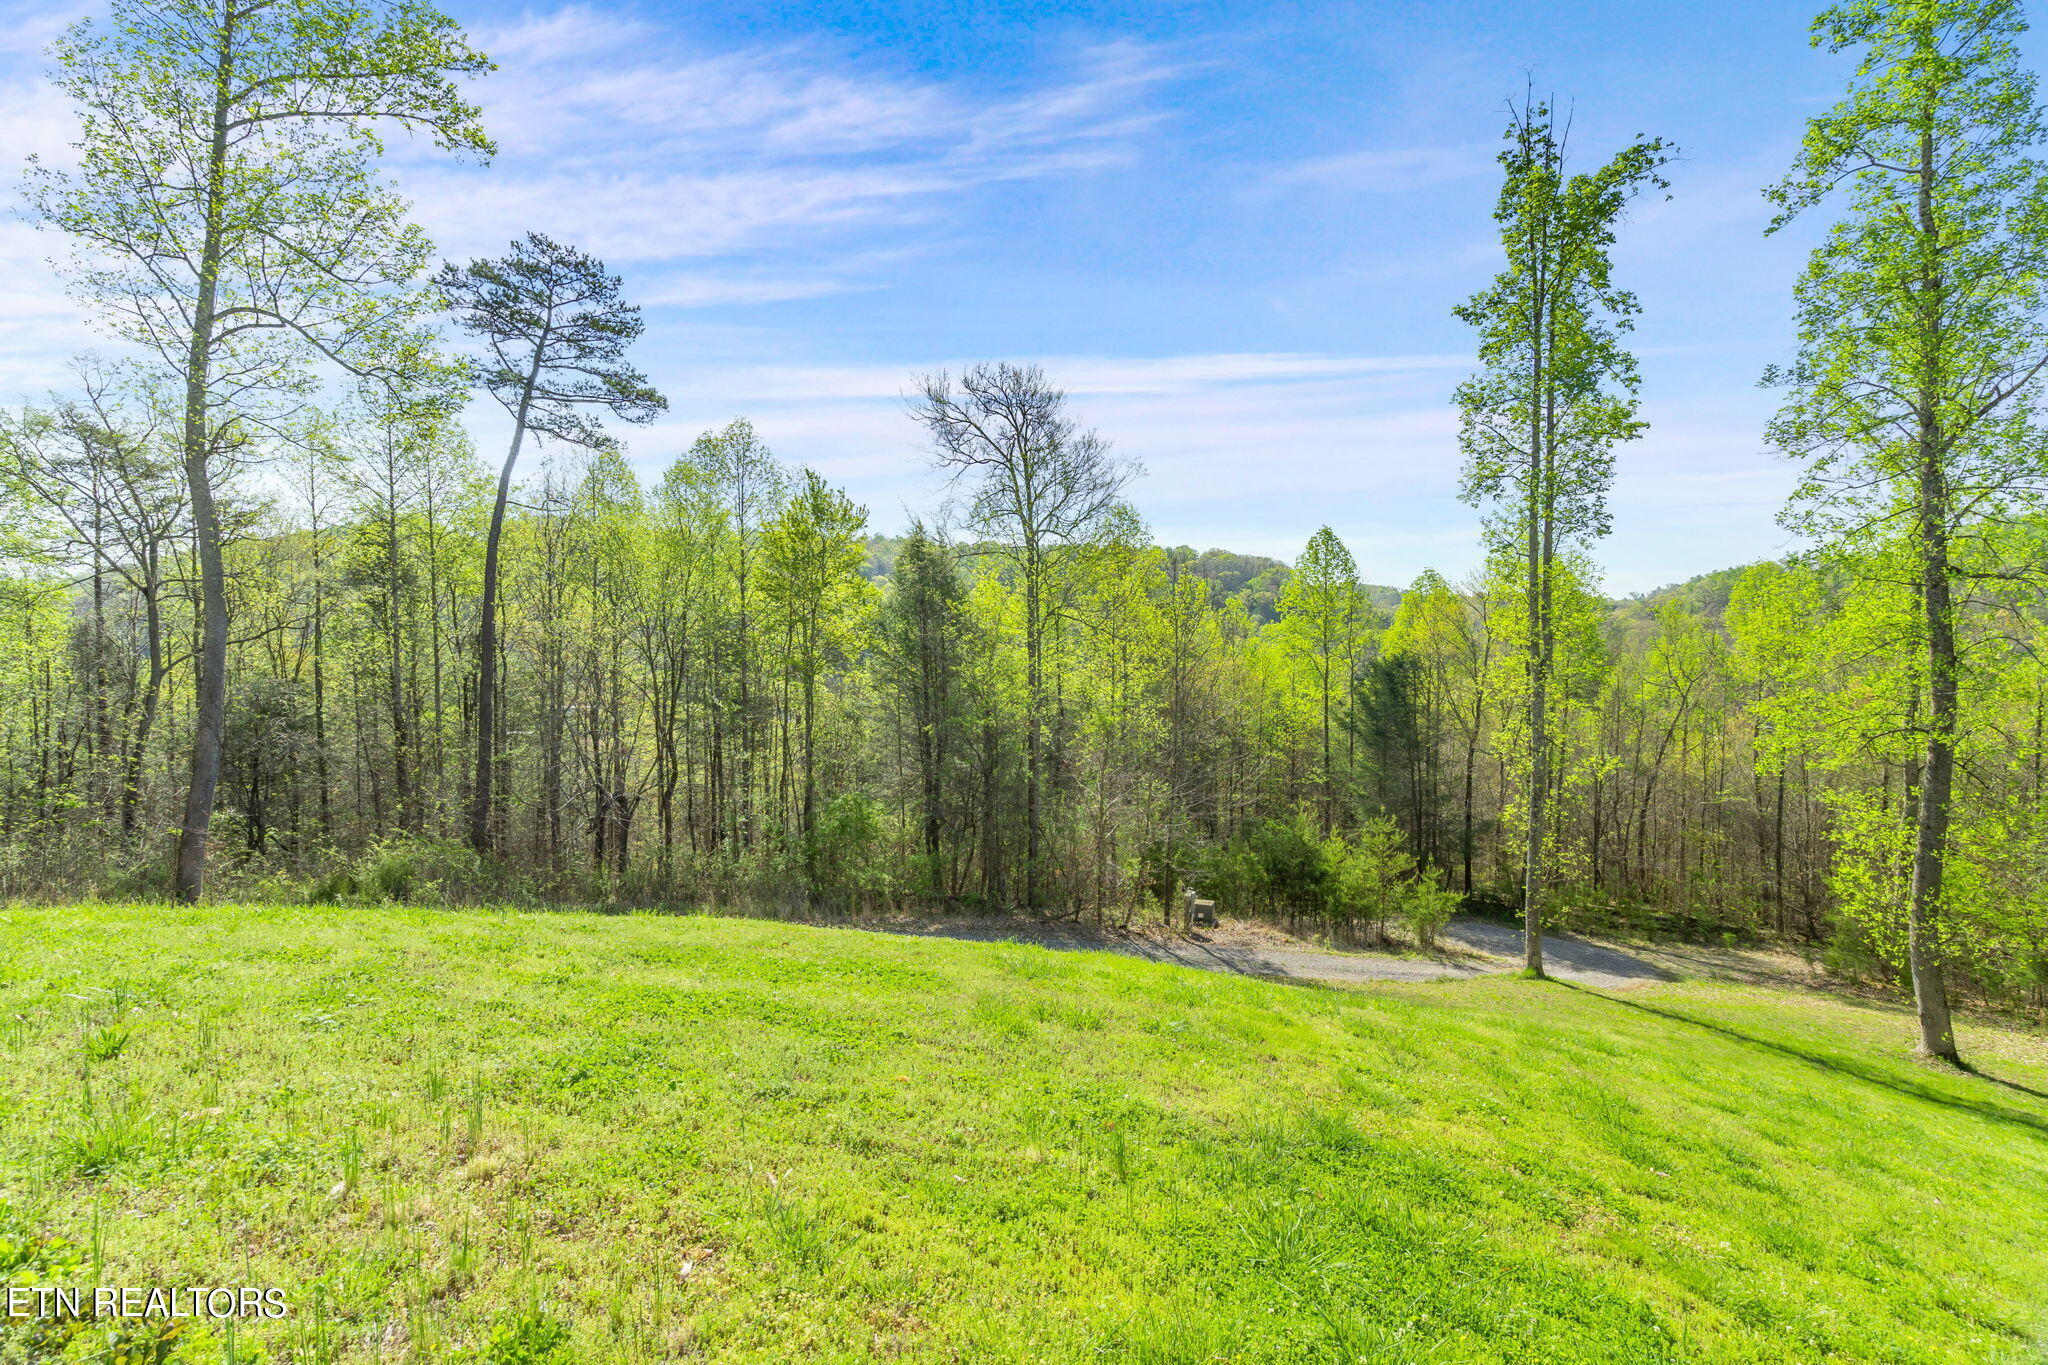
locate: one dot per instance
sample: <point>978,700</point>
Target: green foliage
<point>1339,883</point>
<point>105,1043</point>
<point>1912,403</point>
<point>1556,390</point>
<point>531,1338</point>
<point>1252,580</point>
<point>556,330</point>
<point>847,850</point>
<point>29,1256</point>
<point>1538,424</point>
<point>403,868</point>
<point>1324,616</point>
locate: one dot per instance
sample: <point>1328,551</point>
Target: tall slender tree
<point>554,332</point>
<point>1555,393</point>
<point>1923,345</point>
<point>233,223</point>
<point>101,463</point>
<point>811,573</point>
<point>751,484</point>
<point>1327,615</point>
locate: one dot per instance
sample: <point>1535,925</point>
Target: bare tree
<point>1043,490</point>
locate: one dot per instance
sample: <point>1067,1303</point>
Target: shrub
<point>1426,908</point>
<point>1340,881</point>
<point>401,868</point>
<point>846,850</point>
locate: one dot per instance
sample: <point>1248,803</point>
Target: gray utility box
<point>1201,914</point>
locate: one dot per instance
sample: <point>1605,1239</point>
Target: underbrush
<point>1351,888</point>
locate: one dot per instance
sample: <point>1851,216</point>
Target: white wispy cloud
<point>26,29</point>
<point>621,136</point>
<point>716,177</point>
<point>1248,450</point>
<point>1388,170</point>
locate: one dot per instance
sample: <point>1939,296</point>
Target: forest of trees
<point>275,628</point>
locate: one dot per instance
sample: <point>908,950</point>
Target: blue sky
<point>1233,231</point>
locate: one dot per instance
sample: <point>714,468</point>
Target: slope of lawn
<point>515,1137</point>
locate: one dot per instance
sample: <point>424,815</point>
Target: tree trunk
<point>1937,776</point>
<point>1538,627</point>
<point>1034,684</point>
<point>401,731</point>
<point>1937,772</point>
<point>145,720</point>
<point>487,632</point>
<point>210,691</point>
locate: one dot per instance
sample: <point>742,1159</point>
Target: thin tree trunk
<point>487,631</point>
<point>210,691</point>
<point>1033,724</point>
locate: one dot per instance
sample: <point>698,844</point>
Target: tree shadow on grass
<point>1843,1066</point>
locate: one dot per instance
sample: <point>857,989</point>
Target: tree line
<point>272,621</point>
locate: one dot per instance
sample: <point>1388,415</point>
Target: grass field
<point>529,1138</point>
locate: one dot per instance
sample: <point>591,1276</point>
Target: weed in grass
<point>534,1337</point>
<point>105,1042</point>
<point>422,1324</point>
<point>1119,1154</point>
<point>618,1304</point>
<point>144,1343</point>
<point>474,1133</point>
<point>1180,1331</point>
<point>105,1142</point>
<point>351,1167</point>
<point>462,1257</point>
<point>437,1085</point>
<point>313,1338</point>
<point>391,1198</point>
<point>1282,1240</point>
<point>797,1234</point>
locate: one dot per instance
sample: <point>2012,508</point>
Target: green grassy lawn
<point>530,1137</point>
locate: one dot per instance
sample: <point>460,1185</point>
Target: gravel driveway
<point>1473,947</point>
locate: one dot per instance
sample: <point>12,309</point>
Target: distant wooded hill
<point>1257,580</point>
<point>1254,579</point>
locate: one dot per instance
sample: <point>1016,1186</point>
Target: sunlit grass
<point>530,1137</point>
